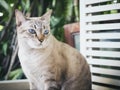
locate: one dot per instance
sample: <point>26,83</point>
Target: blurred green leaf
<point>16,74</point>
<point>1,14</point>
<point>114,11</point>
<point>5,46</point>
<point>4,4</point>
<point>0,69</point>
<point>54,21</point>
<point>26,4</point>
<point>1,27</point>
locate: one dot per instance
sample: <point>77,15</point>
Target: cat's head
<point>33,31</point>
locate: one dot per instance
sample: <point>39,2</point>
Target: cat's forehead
<point>34,23</point>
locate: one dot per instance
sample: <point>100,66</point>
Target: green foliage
<point>1,27</point>
<point>15,74</point>
<point>4,48</point>
<point>57,27</point>
<point>63,13</point>
<point>6,6</point>
<point>0,69</point>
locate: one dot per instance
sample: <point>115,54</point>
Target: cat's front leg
<point>52,85</point>
<point>32,86</point>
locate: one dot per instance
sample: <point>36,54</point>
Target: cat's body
<point>50,64</point>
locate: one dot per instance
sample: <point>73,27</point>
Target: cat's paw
<point>53,88</point>
<point>32,86</point>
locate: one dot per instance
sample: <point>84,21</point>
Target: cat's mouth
<point>36,43</point>
<point>41,41</point>
<point>41,44</point>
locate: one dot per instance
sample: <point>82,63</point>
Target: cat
<point>48,63</point>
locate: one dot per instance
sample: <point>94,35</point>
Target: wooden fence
<point>100,41</point>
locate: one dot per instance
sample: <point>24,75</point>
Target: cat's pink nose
<point>41,38</point>
<point>41,41</point>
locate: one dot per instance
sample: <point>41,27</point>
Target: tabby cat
<point>48,63</point>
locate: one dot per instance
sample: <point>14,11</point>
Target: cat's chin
<point>37,46</point>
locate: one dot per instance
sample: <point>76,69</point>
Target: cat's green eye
<point>32,31</point>
<point>46,32</point>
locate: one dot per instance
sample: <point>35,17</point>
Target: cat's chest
<point>28,56</point>
<point>34,63</point>
<point>32,59</point>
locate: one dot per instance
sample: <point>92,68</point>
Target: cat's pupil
<point>32,31</point>
<point>46,32</point>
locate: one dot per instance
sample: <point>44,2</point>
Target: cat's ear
<point>19,17</point>
<point>46,16</point>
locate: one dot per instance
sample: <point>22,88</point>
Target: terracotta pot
<point>69,30</point>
